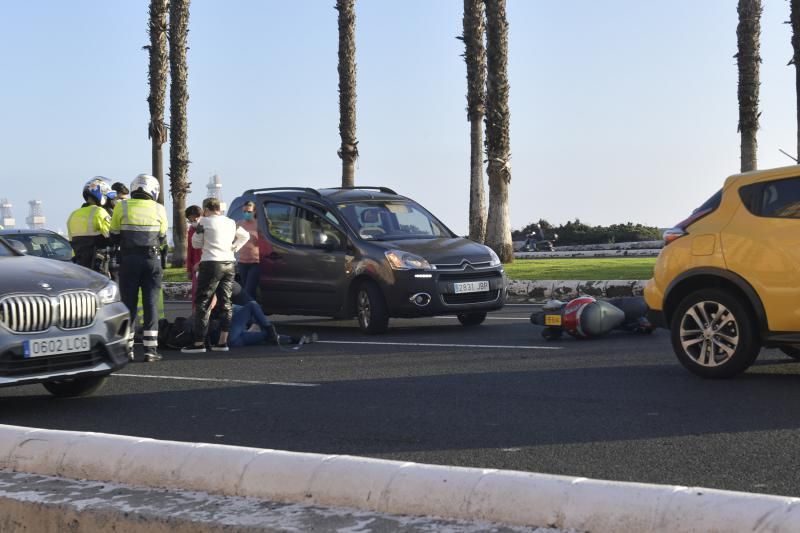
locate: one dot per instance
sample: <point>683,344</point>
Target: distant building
<point>7,214</point>
<point>36,218</point>
<point>215,191</point>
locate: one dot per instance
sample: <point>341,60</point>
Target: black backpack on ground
<point>175,335</point>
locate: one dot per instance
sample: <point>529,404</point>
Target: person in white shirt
<point>220,239</point>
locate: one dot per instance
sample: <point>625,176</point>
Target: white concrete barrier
<point>597,254</point>
<point>605,246</point>
<point>515,498</point>
<point>529,291</point>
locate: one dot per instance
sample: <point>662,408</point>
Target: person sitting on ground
<point>246,313</point>
<point>251,312</point>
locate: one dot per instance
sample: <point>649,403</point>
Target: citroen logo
<point>45,286</point>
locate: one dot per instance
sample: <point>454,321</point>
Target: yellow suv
<point>727,282</point>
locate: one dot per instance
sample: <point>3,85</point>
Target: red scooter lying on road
<point>586,317</point>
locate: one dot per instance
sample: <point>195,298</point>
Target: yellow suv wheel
<point>713,334</point>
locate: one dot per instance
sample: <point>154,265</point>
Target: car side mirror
<point>328,241</point>
<point>18,246</point>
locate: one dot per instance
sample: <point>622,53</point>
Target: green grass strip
<point>582,268</point>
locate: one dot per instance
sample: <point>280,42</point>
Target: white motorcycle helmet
<point>146,183</point>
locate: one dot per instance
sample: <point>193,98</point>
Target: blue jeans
<point>250,272</point>
<point>243,315</point>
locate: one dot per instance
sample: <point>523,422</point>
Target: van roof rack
<point>309,190</point>
<point>386,190</point>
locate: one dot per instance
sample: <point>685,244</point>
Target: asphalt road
<point>494,396</point>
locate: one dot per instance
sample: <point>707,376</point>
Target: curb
<point>393,487</point>
<point>519,291</point>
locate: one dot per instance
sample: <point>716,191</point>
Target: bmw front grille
<point>77,309</point>
<point>35,313</point>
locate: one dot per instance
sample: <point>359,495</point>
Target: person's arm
<point>102,222</point>
<point>190,256</point>
<point>116,222</point>
<point>162,231</point>
<point>240,239</point>
<point>69,226</point>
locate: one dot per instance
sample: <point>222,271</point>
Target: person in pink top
<point>249,258</point>
<point>193,255</point>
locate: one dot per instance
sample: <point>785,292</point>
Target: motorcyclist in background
<point>89,227</point>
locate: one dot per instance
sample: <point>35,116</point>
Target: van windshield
<point>391,220</point>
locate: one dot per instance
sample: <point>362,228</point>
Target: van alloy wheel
<point>373,315</point>
<point>363,308</point>
<point>709,333</point>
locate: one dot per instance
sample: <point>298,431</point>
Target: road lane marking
<point>438,345</point>
<point>525,318</point>
<point>219,380</point>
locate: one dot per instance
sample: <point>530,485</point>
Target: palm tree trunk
<point>498,145</point>
<point>475,58</point>
<point>156,130</point>
<point>748,34</point>
<point>795,22</point>
<point>348,151</point>
<point>178,148</point>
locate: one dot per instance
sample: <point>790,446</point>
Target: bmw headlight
<point>400,260</point>
<point>108,294</point>
<point>494,260</point>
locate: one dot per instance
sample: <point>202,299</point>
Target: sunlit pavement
<point>432,391</point>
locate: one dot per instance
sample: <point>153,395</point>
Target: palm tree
<point>157,131</point>
<point>475,58</point>
<point>178,149</point>
<point>498,229</point>
<point>348,151</point>
<point>794,20</point>
<point>748,33</point>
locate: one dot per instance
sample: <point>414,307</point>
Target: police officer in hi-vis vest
<point>88,227</point>
<point>139,224</point>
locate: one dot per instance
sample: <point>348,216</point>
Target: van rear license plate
<point>552,320</point>
<point>55,345</point>
<point>470,286</point>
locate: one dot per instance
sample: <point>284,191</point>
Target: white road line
<point>437,345</point>
<point>487,318</point>
<point>219,380</point>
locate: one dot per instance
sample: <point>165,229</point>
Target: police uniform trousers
<point>142,270</point>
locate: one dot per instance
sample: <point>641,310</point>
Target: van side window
<point>324,210</point>
<point>280,218</point>
<point>315,231</point>
<point>773,199</point>
<point>294,225</point>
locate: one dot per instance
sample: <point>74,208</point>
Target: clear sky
<point>621,110</point>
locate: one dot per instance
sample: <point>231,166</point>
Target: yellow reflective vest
<point>139,223</point>
<point>88,223</point>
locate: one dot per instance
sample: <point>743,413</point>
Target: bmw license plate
<point>470,286</point>
<point>55,346</point>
